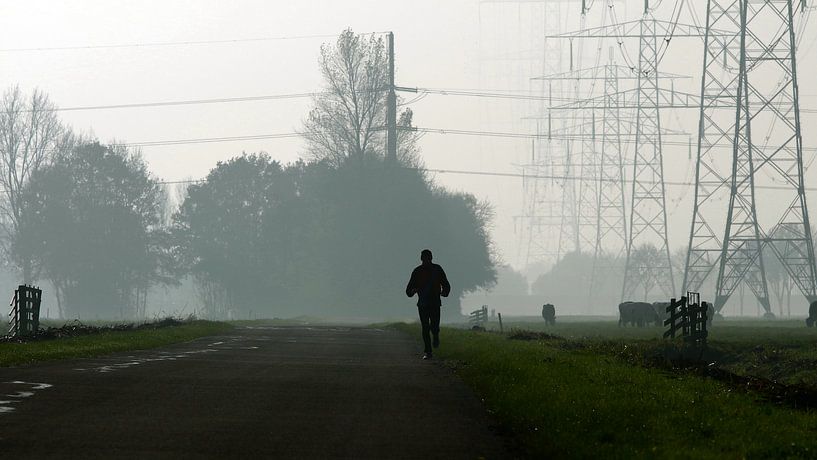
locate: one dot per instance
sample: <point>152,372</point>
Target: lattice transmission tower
<point>757,83</point>
<point>648,221</point>
<point>540,223</point>
<point>602,208</point>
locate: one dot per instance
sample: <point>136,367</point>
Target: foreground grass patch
<point>783,351</point>
<point>107,342</point>
<point>577,403</point>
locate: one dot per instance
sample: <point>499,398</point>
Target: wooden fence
<point>688,315</point>
<point>24,317</point>
<point>479,317</point>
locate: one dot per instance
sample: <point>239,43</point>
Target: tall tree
<point>348,118</point>
<point>91,221</point>
<point>222,227</point>
<point>312,238</point>
<point>31,135</point>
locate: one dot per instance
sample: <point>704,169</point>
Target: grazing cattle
<point>637,313</point>
<point>710,313</point>
<point>549,314</point>
<point>812,314</point>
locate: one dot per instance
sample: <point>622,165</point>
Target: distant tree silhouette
<point>645,258</point>
<point>567,284</point>
<point>508,282</point>
<point>91,223</point>
<point>223,228</point>
<point>319,238</point>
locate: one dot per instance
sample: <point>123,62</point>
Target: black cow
<point>549,314</point>
<point>637,313</point>
<point>812,314</point>
<point>710,313</point>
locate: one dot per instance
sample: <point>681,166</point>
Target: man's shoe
<point>436,341</point>
<point>426,355</point>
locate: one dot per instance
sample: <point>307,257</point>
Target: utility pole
<point>391,107</point>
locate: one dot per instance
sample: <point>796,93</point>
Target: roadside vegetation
<point>574,392</point>
<point>781,351</point>
<point>101,343</point>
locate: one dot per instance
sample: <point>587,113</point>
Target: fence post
<point>23,310</point>
<point>499,315</point>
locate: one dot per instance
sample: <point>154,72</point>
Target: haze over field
<point>243,73</point>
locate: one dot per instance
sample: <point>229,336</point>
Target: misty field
<point>585,389</point>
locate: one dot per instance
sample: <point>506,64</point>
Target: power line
<point>168,43</point>
<point>527,176</point>
<point>266,97</point>
<point>441,131</point>
<point>189,102</point>
<point>207,140</point>
<point>424,91</point>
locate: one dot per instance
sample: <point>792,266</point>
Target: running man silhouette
<point>429,282</point>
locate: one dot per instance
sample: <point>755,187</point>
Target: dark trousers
<point>430,322</point>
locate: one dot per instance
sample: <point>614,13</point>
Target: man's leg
<point>435,325</point>
<point>425,324</point>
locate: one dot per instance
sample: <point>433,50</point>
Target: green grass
<point>729,330</point>
<point>86,346</point>
<point>782,350</point>
<point>570,401</point>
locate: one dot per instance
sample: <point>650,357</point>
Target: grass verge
<point>783,351</point>
<point>87,346</point>
<point>577,403</point>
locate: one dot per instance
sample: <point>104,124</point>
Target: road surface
<point>261,392</point>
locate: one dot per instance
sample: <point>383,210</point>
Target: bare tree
<point>30,136</point>
<point>348,117</point>
<point>646,258</point>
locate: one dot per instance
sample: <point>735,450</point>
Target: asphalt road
<point>266,392</point>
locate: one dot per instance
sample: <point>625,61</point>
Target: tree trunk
<point>788,300</point>
<point>27,271</point>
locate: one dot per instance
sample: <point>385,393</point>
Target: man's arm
<point>446,287</point>
<point>411,287</point>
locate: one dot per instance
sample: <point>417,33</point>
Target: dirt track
<point>256,393</point>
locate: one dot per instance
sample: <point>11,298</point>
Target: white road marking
<point>20,395</point>
<point>165,356</point>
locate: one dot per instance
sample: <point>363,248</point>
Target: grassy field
<point>86,346</point>
<point>591,390</point>
<point>782,350</point>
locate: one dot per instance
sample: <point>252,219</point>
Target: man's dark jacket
<point>429,282</point>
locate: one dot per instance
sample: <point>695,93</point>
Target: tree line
<point>333,234</point>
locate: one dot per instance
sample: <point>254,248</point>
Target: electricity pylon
<point>602,216</point>
<point>763,92</point>
<point>716,144</point>
<point>542,214</point>
<point>648,222</point>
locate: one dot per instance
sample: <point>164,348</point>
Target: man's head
<point>425,256</point>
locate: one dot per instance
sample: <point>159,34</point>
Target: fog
<point>242,69</point>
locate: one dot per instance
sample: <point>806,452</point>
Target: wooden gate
<point>24,318</point>
<point>689,316</point>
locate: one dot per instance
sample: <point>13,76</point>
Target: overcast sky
<point>440,44</point>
